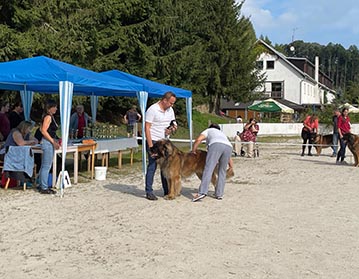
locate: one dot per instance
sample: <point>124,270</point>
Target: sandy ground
<point>283,216</point>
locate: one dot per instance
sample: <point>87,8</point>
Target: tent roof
<point>270,105</point>
<point>154,89</point>
<point>42,74</point>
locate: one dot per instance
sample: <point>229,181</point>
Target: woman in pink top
<point>343,128</point>
<point>309,131</point>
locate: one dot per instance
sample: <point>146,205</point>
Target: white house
<point>293,79</point>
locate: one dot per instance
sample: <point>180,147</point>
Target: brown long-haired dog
<point>176,164</point>
<point>323,141</point>
<point>353,144</point>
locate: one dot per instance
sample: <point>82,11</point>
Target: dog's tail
<point>229,173</point>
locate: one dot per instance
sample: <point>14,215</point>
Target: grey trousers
<point>217,153</point>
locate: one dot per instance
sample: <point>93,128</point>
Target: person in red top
<point>78,121</point>
<point>343,128</point>
<point>310,129</point>
<point>81,125</point>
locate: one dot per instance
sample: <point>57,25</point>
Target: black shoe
<point>310,154</point>
<point>47,191</point>
<point>151,197</point>
<point>52,191</point>
<point>302,154</point>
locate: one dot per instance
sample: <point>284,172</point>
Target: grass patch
<point>280,139</point>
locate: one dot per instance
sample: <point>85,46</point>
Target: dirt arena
<point>282,216</point>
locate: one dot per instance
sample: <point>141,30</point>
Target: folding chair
<point>19,164</point>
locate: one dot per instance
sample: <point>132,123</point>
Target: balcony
<point>274,94</point>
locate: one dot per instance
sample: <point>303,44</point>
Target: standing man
<point>78,121</point>
<point>158,119</point>
<point>16,115</point>
<point>131,117</point>
<point>335,132</point>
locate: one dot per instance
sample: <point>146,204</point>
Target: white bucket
<point>100,173</point>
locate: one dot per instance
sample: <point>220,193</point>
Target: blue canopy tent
<point>46,75</point>
<point>156,89</point>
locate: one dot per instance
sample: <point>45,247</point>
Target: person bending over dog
<point>309,132</point>
<point>219,151</point>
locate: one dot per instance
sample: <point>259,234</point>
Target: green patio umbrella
<point>270,105</point>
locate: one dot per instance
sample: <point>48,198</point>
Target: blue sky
<point>314,21</point>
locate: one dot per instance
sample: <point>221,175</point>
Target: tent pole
<point>142,97</point>
<point>66,91</point>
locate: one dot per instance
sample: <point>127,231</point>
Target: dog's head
<point>349,138</point>
<point>162,149</point>
<point>317,138</point>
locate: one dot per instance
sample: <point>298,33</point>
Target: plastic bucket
<point>100,173</point>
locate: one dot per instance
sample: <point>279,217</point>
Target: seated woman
<point>19,136</point>
<point>249,135</point>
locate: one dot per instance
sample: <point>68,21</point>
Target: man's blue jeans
<point>46,163</point>
<point>151,170</point>
<point>335,143</point>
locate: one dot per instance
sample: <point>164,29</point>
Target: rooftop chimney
<point>316,73</point>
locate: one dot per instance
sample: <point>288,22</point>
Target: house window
<point>276,90</point>
<point>270,64</point>
<point>259,65</point>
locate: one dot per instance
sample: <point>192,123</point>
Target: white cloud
<point>287,18</point>
<point>321,21</point>
<point>261,18</point>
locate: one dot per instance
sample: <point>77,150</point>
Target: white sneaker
<point>198,197</point>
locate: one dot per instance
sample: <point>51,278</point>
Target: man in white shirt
<point>159,116</point>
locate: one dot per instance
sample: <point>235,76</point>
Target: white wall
<point>279,129</point>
